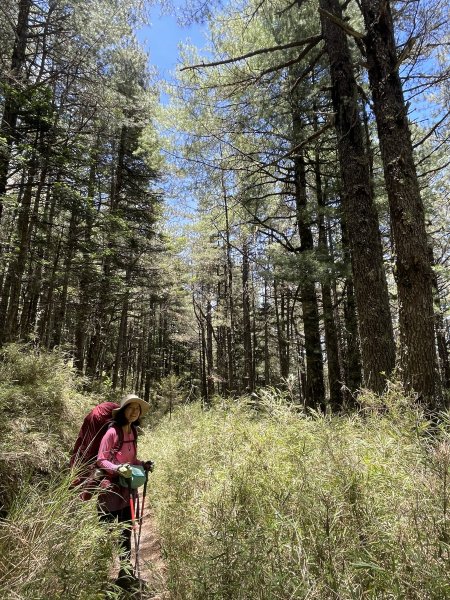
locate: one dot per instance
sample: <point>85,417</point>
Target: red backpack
<point>84,453</point>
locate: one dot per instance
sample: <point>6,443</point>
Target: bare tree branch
<point>432,130</point>
<point>433,171</point>
<point>308,69</point>
<point>288,63</point>
<point>307,41</point>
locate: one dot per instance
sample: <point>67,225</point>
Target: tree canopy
<point>282,220</point>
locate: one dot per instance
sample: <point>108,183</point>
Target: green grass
<point>271,504</point>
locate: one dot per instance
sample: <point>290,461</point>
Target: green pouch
<point>137,478</point>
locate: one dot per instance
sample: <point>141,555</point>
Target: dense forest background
<point>267,232</point>
<point>311,138</point>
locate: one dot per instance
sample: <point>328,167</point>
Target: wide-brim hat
<point>145,406</point>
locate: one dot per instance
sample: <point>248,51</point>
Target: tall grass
<point>53,546</point>
<point>254,500</point>
<point>269,504</point>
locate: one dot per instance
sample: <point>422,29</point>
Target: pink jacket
<point>115,497</point>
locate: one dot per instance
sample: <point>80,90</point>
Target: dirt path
<point>152,566</point>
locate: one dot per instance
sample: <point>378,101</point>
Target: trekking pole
<point>132,511</point>
<point>137,568</point>
<point>141,516</point>
<point>133,527</point>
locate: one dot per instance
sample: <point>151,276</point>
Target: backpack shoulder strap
<point>119,441</point>
<point>119,431</point>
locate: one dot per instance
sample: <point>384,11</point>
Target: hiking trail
<point>152,566</point>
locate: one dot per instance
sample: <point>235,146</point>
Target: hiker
<point>114,500</point>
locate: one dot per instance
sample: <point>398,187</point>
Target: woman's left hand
<point>125,471</point>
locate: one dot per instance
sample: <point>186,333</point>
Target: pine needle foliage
<point>263,502</point>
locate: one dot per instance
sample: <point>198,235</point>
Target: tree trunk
<point>149,356</point>
<point>203,362</point>
<point>281,322</point>
<point>412,269</point>
<point>11,107</point>
<point>18,263</point>
<point>48,265</point>
<point>229,300</point>
<point>69,254</point>
<point>140,351</point>
<point>222,357</point>
<point>443,349</point>
<point>266,317</point>
<point>122,334</point>
<point>209,348</point>
<point>301,369</point>
<point>331,334</point>
<point>29,312</point>
<point>372,301</point>
<point>83,309</point>
<point>45,328</point>
<point>315,390</point>
<point>249,378</point>
<point>352,352</point>
<point>442,343</point>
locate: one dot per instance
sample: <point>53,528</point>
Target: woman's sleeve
<point>108,442</point>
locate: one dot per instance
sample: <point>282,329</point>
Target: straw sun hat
<point>128,400</point>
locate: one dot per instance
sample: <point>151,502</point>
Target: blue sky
<point>162,36</point>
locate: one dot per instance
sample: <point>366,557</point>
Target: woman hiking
<point>116,453</point>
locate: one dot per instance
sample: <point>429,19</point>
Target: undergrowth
<point>51,544</point>
<point>42,408</point>
<point>258,501</point>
